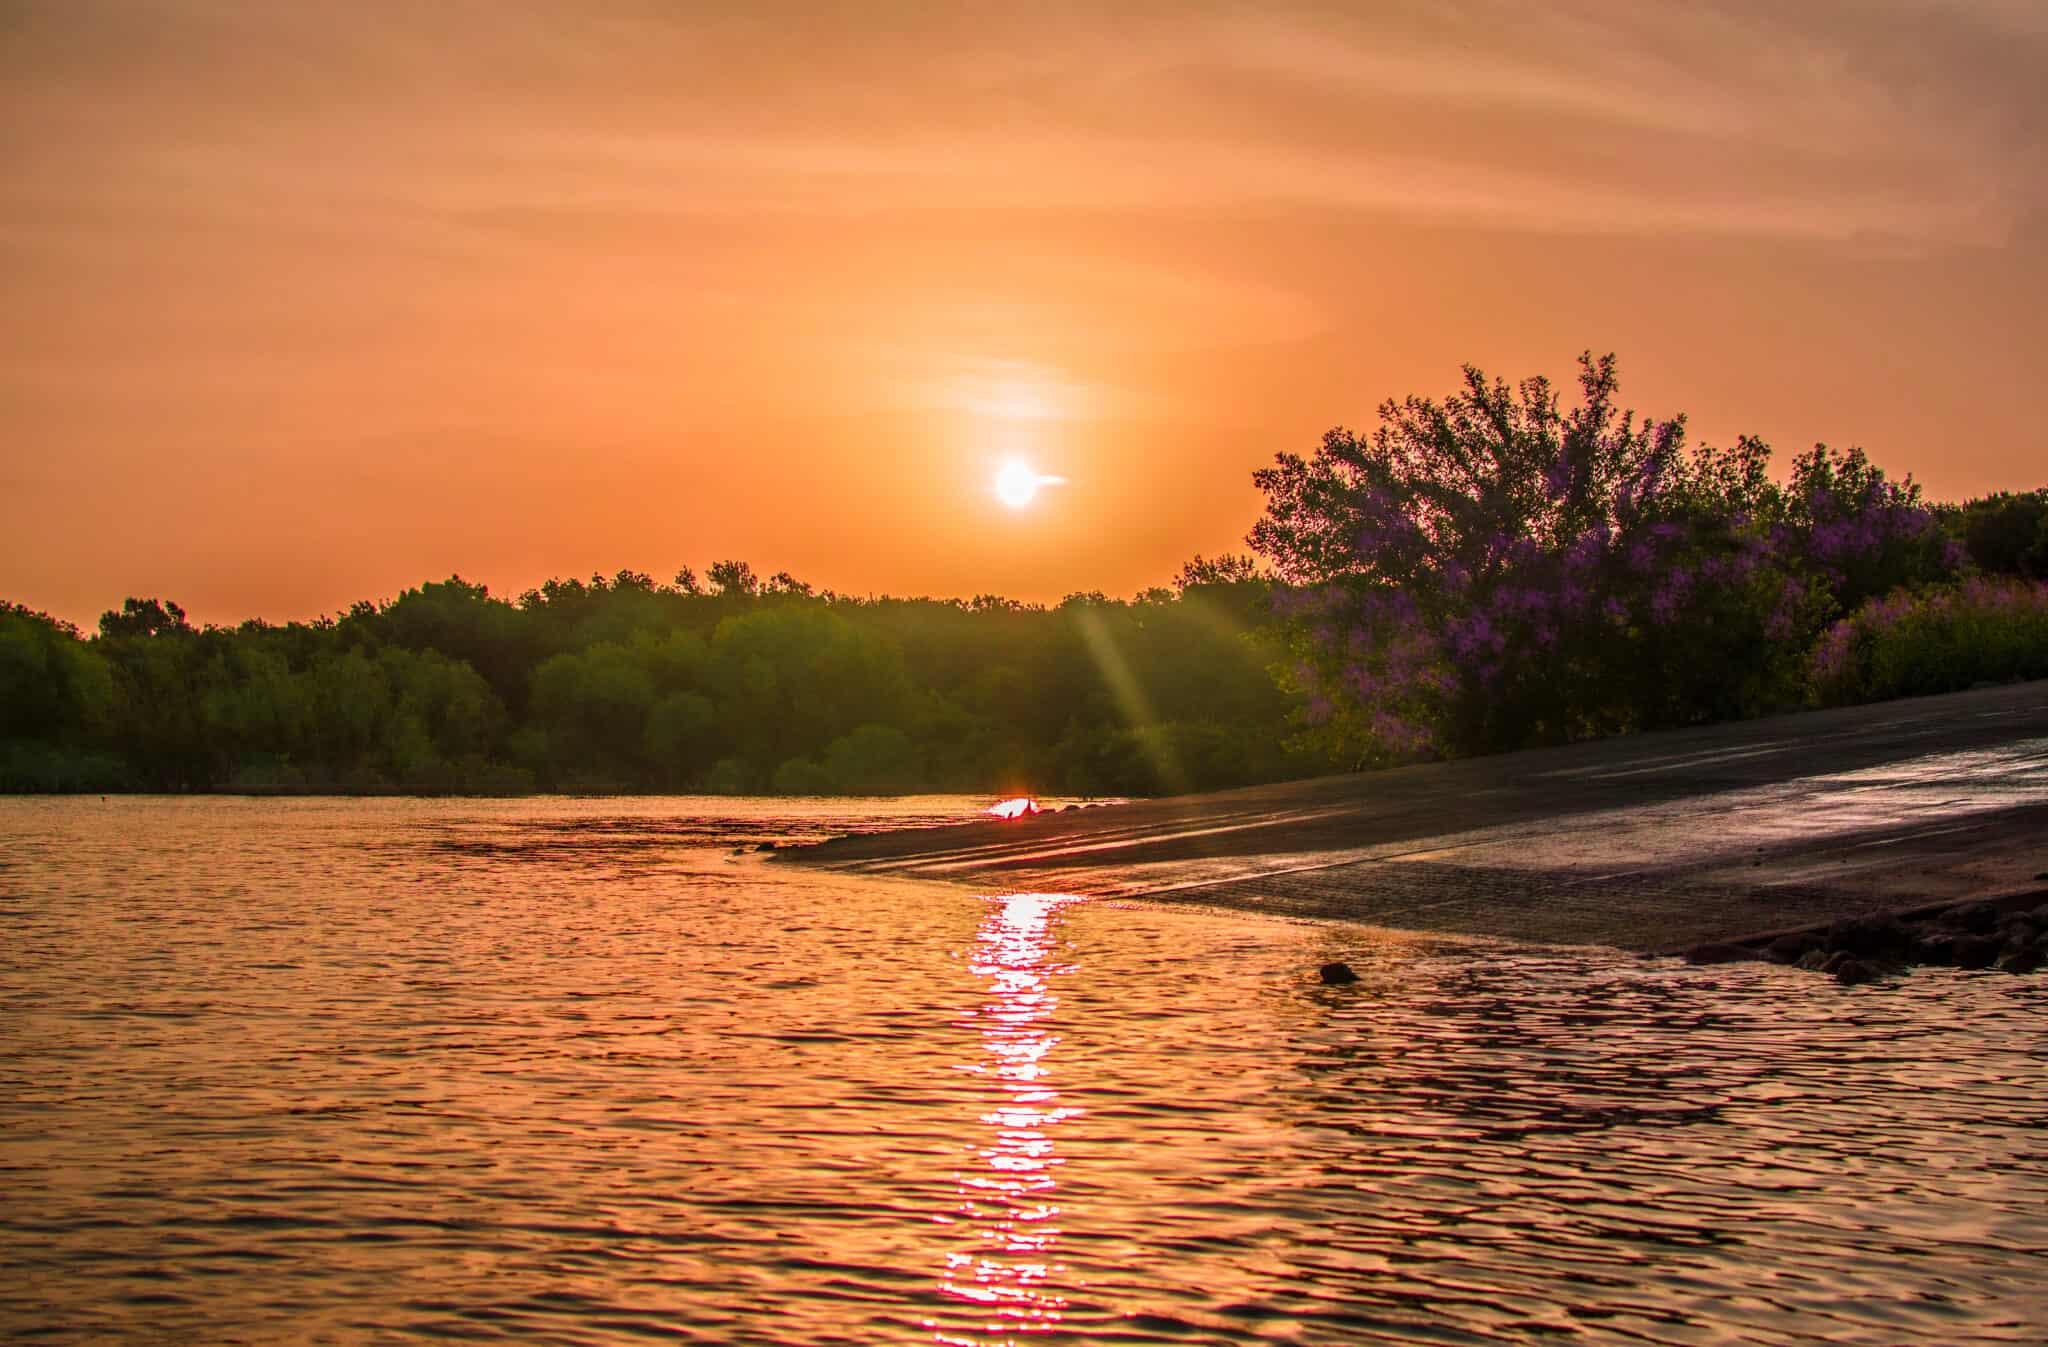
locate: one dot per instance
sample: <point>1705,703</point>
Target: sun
<point>1017,483</point>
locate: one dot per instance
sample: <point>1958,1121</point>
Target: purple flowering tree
<point>1497,570</point>
<point>1858,533</point>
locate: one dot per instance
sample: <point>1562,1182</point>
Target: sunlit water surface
<point>573,1071</point>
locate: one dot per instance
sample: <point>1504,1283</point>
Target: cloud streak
<point>1844,122</point>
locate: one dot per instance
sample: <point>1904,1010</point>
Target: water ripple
<point>573,1071</point>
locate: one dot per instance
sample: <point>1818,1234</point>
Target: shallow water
<point>354,1071</point>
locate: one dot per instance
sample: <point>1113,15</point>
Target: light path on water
<point>571,1070</point>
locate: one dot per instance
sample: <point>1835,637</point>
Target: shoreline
<point>1652,843</point>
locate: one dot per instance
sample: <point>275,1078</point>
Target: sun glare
<point>1018,483</point>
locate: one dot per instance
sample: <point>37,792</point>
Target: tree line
<point>620,683</point>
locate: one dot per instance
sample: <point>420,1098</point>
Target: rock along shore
<point>1733,834</point>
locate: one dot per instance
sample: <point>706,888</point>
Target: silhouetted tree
<point>1231,568</point>
<point>2005,533</point>
<point>733,579</point>
<point>145,617</point>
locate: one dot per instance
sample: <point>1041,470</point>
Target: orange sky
<point>305,304</point>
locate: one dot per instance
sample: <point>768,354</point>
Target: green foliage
<point>1943,639</point>
<point>48,678</point>
<point>2005,534</point>
<point>681,730</point>
<point>30,767</point>
<point>616,683</point>
<point>801,776</point>
<point>873,760</point>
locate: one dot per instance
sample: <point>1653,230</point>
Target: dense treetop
<point>623,683</point>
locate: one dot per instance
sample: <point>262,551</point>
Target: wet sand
<point>1654,842</point>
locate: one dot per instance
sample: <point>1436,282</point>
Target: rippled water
<point>571,1070</point>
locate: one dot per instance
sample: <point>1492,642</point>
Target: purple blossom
<point>1394,643</point>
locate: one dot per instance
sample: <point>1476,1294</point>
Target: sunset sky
<point>307,303</point>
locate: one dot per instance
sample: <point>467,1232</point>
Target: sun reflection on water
<point>1008,1203</point>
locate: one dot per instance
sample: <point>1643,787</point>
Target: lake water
<point>570,1070</point>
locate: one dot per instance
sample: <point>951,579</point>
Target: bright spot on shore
<point>1021,807</point>
<point>1017,483</point>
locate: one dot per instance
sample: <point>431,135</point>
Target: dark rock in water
<point>2024,959</point>
<point>765,846</point>
<point>1789,948</point>
<point>1976,918</point>
<point>1853,972</point>
<point>1938,948</point>
<point>1336,974</point>
<point>1871,937</point>
<point>1719,951</point>
<point>1977,951</point>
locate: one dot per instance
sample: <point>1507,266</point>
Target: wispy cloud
<point>1909,121</point>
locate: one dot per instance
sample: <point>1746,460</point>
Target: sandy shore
<point>1653,842</point>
